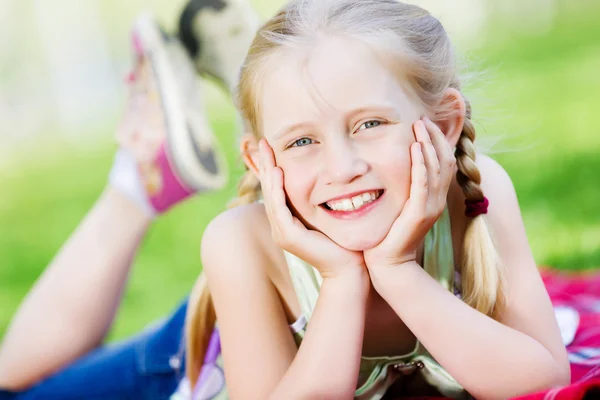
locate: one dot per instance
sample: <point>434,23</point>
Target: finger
<point>279,198</point>
<point>289,228</point>
<point>265,180</point>
<point>445,154</point>
<point>430,156</point>
<point>270,155</point>
<point>442,147</point>
<point>414,209</point>
<point>419,178</point>
<point>266,155</point>
<point>273,192</point>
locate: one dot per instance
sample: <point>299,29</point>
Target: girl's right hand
<point>289,232</point>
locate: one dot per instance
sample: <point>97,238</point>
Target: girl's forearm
<point>489,359</point>
<point>328,361</point>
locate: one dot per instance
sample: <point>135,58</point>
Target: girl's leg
<point>72,305</point>
<point>147,366</point>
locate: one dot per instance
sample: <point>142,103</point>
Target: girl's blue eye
<point>302,142</point>
<point>369,124</point>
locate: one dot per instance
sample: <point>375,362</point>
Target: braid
<point>482,273</point>
<point>468,175</point>
<point>248,190</point>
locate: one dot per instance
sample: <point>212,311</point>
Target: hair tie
<point>476,207</point>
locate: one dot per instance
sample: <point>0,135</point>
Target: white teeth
<point>357,202</point>
<point>347,205</point>
<point>354,203</point>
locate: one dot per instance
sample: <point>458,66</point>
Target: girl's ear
<point>452,125</point>
<point>249,150</point>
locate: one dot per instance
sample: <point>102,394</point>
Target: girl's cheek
<point>402,180</point>
<point>396,168</point>
<point>295,183</point>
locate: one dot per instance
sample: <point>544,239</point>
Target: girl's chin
<point>360,235</point>
<point>358,243</point>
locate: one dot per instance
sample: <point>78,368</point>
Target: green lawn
<point>539,97</point>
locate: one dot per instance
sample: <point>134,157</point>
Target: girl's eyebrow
<point>289,129</point>
<point>385,108</point>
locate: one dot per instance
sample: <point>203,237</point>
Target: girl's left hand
<point>433,166</point>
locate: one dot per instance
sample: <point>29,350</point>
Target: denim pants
<point>148,366</point>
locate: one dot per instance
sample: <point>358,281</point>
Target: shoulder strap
<point>438,258</point>
<point>307,283</point>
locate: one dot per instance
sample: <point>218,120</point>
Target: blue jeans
<point>148,366</point>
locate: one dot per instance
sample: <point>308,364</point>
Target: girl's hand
<point>433,166</point>
<point>291,234</point>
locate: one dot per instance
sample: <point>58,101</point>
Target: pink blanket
<point>579,296</point>
<point>580,292</point>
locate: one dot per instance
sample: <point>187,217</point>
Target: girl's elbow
<point>558,375</point>
<point>562,375</point>
<point>544,379</point>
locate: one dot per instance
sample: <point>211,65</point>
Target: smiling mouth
<point>353,203</point>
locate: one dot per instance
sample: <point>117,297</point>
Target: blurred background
<point>62,66</point>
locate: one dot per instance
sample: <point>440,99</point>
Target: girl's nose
<point>343,163</point>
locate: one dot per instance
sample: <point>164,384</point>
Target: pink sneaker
<point>164,127</point>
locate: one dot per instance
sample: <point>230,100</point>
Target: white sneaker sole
<point>201,166</point>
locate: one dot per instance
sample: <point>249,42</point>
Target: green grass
<point>540,97</point>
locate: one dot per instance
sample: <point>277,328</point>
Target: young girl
<point>361,259</point>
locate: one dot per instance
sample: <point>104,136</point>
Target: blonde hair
<point>411,38</point>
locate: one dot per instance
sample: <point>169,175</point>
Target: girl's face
<point>340,125</point>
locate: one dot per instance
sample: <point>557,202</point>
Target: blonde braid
<point>248,190</point>
<point>482,273</point>
<point>468,175</point>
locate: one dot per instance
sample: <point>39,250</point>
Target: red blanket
<point>580,292</point>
